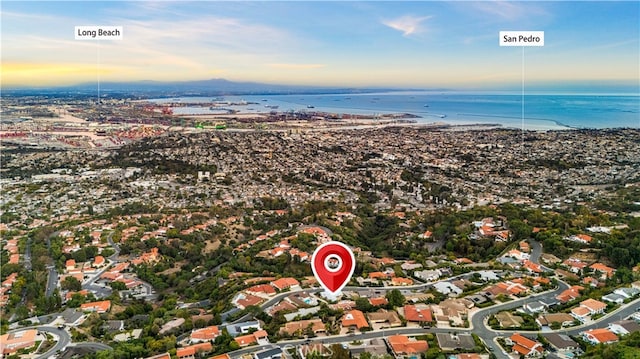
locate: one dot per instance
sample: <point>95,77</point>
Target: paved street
<point>63,339</point>
<point>52,281</point>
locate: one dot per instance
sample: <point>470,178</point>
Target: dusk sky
<point>419,44</point>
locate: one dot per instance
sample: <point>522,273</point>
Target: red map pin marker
<point>333,264</point>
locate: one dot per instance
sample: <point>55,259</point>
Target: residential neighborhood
<point>462,248</point>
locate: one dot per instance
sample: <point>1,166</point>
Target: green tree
<point>71,283</point>
<point>395,298</point>
<point>364,305</point>
<point>118,285</point>
<point>339,352</point>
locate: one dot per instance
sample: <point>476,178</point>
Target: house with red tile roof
<point>129,282</point>
<point>570,294</point>
<point>98,307</point>
<point>304,256</point>
<point>584,238</point>
<point>245,300</point>
<point>384,319</point>
<point>541,280</point>
<point>12,342</point>
<point>594,306</point>
<point>414,314</point>
<point>575,265</point>
<point>148,257</point>
<point>525,346</point>
<point>111,276</point>
<point>285,283</point>
<point>245,340</point>
<point>193,351</point>
<point>204,334</point>
<point>380,275</point>
<point>261,289</point>
<point>587,308</point>
<point>507,288</point>
<point>70,264</point>
<point>354,319</point>
<point>8,282</point>
<point>514,253</point>
<point>600,336</point>
<point>11,246</point>
<point>580,313</point>
<point>532,267</point>
<point>278,251</point>
<point>604,271</point>
<point>580,238</point>
<point>299,327</point>
<point>98,261</point>
<point>120,267</point>
<point>259,337</point>
<point>502,236</point>
<point>468,356</point>
<point>590,281</point>
<point>463,260</point>
<point>378,302</point>
<point>14,258</point>
<point>314,231</point>
<point>399,281</point>
<point>403,346</point>
<point>387,261</point>
<point>280,307</point>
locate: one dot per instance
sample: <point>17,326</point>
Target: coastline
<point>544,112</point>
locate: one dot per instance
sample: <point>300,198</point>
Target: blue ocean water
<point>541,112</point>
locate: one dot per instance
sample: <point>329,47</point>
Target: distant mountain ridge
<point>210,87</point>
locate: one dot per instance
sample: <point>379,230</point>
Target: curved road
<point>63,338</point>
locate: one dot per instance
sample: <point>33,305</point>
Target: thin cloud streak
<point>408,24</point>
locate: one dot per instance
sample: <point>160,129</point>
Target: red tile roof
<point>262,288</point>
<point>284,283</point>
<point>207,333</point>
<point>354,318</point>
<point>246,340</point>
<point>593,305</point>
<point>401,344</point>
<point>401,281</point>
<point>584,237</point>
<point>524,341</point>
<point>193,349</point>
<point>602,335</point>
<point>100,307</point>
<point>380,301</point>
<point>249,300</point>
<point>602,268</point>
<point>413,314</point>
